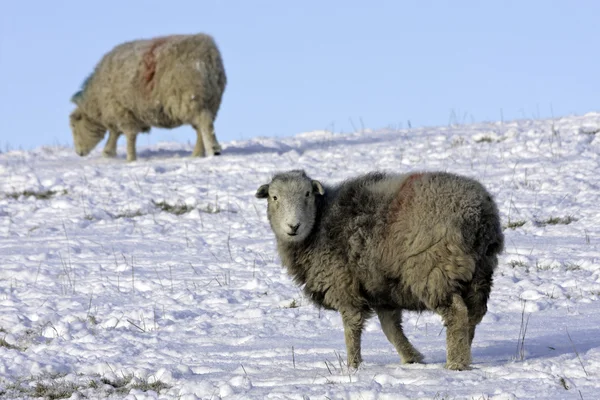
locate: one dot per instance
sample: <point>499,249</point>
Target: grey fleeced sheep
<point>164,82</point>
<point>384,243</point>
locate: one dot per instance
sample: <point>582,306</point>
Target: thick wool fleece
<point>164,82</point>
<point>384,243</point>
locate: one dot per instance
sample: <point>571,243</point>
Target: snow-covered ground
<point>160,279</point>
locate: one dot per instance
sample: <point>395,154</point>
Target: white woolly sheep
<point>164,82</point>
<point>385,243</point>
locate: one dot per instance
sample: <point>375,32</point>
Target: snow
<point>159,279</point>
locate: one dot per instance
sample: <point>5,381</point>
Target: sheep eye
<point>307,194</point>
<point>275,198</point>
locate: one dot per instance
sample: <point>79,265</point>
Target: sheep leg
<point>110,149</point>
<point>131,138</point>
<point>477,304</point>
<point>353,327</point>
<point>478,293</point>
<point>458,346</point>
<point>391,324</point>
<point>207,133</point>
<point>199,147</point>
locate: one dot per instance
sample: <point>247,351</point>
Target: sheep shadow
<point>542,346</point>
<point>150,154</point>
<point>266,145</point>
<point>306,144</point>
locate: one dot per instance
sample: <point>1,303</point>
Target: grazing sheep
<point>165,82</point>
<point>385,243</point>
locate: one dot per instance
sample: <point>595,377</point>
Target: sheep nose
<point>294,228</point>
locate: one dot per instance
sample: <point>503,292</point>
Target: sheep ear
<point>262,192</point>
<point>76,98</point>
<point>318,188</point>
<point>76,115</point>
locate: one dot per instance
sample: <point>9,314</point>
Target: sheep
<point>382,243</point>
<point>164,82</point>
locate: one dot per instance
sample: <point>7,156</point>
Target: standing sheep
<point>165,82</point>
<point>385,243</point>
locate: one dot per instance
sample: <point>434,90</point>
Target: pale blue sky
<point>296,66</point>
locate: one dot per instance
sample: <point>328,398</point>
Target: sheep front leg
<point>353,327</point>
<point>458,344</point>
<point>131,138</point>
<point>110,149</point>
<point>391,324</point>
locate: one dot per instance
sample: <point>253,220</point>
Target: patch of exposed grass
<point>129,214</point>
<point>127,382</point>
<point>515,224</point>
<point>177,209</point>
<point>293,304</point>
<point>54,390</point>
<point>518,264</point>
<point>54,386</point>
<point>120,383</point>
<point>556,221</point>
<point>210,209</point>
<point>560,220</point>
<point>544,267</point>
<point>4,343</point>
<point>485,139</point>
<point>145,385</point>
<point>41,195</point>
<point>571,266</point>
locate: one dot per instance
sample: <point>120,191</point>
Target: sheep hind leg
<point>207,133</point>
<point>458,344</point>
<point>131,152</point>
<point>110,149</point>
<point>199,148</point>
<point>353,327</point>
<point>391,324</point>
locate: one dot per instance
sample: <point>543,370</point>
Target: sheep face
<point>86,133</point>
<point>292,205</point>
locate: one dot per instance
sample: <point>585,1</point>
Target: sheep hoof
<point>456,366</point>
<point>109,154</point>
<point>354,364</point>
<point>413,359</point>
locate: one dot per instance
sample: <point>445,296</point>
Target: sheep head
<point>292,204</point>
<point>86,133</point>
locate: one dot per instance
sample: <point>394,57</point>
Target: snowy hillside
<point>159,278</point>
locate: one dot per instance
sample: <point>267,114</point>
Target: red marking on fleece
<point>404,195</point>
<point>149,63</point>
<point>408,182</point>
